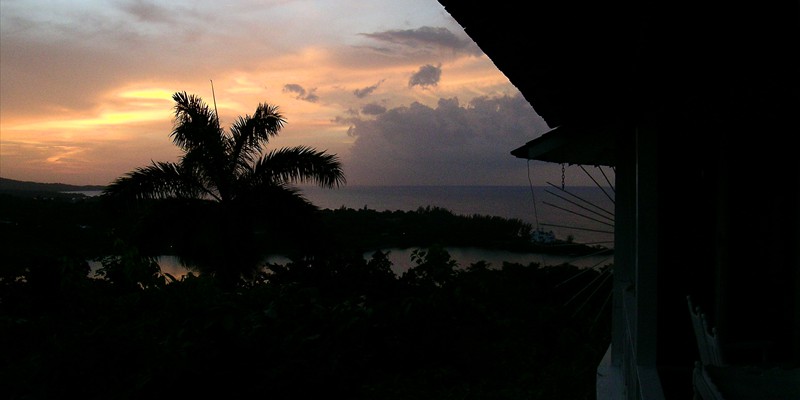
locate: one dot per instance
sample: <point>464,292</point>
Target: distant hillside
<point>39,189</point>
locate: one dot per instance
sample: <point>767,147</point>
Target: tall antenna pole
<point>215,101</point>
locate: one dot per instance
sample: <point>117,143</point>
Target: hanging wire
<point>598,185</point>
<point>533,196</point>
<point>533,200</point>
<point>578,228</point>
<point>582,207</point>
<point>607,180</point>
<point>603,307</point>
<point>605,276</point>
<point>600,275</point>
<point>578,214</point>
<point>214,96</point>
<point>582,199</point>
<point>593,212</point>
<point>583,243</point>
<point>585,270</point>
<point>592,290</point>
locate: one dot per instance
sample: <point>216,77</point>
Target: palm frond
<point>195,124</point>
<point>162,180</point>
<point>251,132</point>
<point>261,201</point>
<point>212,166</point>
<point>299,165</point>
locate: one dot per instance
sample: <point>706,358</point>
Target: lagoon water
<point>401,259</point>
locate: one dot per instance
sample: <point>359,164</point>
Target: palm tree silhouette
<point>231,179</point>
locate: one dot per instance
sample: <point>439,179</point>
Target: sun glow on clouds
<point>64,154</point>
<point>147,94</point>
<point>87,86</point>
<point>83,125</point>
<point>125,108</point>
<point>83,147</point>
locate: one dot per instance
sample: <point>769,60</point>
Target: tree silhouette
<point>231,180</point>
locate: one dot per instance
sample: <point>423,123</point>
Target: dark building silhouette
<point>695,105</point>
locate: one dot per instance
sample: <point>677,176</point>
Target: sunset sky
<point>395,88</point>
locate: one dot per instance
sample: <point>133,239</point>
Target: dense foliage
<point>427,226</point>
<point>325,324</point>
<point>340,327</point>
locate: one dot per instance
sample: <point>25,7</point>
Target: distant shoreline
<point>11,185</point>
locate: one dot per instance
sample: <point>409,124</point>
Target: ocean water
<point>584,213</point>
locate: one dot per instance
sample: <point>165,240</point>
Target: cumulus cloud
<point>427,75</point>
<point>427,37</point>
<point>373,109</point>
<point>364,92</point>
<point>450,144</point>
<point>294,88</point>
<point>302,94</point>
<point>350,121</point>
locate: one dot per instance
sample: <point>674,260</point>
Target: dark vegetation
<point>428,226</point>
<point>44,190</point>
<point>89,227</point>
<point>329,323</point>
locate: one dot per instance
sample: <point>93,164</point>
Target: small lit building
<point>543,237</point>
<point>695,105</point>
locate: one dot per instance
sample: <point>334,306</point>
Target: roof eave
<point>571,145</point>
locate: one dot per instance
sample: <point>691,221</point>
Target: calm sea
<point>585,212</point>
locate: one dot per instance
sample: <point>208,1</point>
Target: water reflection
<point>401,259</point>
<point>169,265</point>
<point>464,256</point>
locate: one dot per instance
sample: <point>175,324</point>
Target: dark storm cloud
<point>427,75</point>
<point>364,92</point>
<point>373,109</point>
<point>450,144</point>
<point>301,92</point>
<point>427,37</point>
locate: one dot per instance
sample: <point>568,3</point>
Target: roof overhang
<point>572,145</point>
